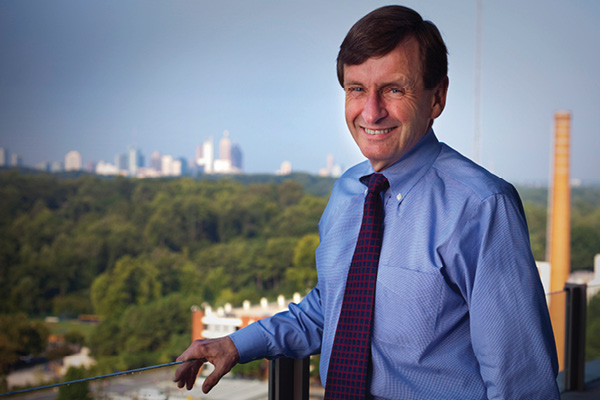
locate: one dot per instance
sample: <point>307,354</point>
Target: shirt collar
<point>407,171</point>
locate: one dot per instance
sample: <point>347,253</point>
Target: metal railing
<point>575,329</point>
<point>289,379</point>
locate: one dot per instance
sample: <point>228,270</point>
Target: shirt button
<point>399,197</point>
<point>366,191</point>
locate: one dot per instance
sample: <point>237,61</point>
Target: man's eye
<point>396,91</point>
<point>355,89</point>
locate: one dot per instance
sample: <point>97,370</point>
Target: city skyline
<point>228,160</point>
<point>102,77</point>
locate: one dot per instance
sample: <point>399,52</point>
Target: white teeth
<point>377,132</point>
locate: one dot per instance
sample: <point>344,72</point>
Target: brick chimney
<point>558,231</point>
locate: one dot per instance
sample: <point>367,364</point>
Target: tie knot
<point>378,183</point>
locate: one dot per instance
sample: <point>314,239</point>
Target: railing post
<point>575,336</point>
<point>288,379</point>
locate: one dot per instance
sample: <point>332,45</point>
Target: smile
<point>377,131</point>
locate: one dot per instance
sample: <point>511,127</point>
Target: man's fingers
<point>212,379</point>
<point>186,374</point>
<point>190,376</point>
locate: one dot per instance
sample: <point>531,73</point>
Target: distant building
<point>225,147</point>
<point>166,165</point>
<point>121,162</point>
<point>205,156</point>
<point>43,166</point>
<point>225,320</point>
<point>136,160</point>
<point>155,161</point>
<point>225,164</point>
<point>90,167</point>
<point>182,166</point>
<point>3,157</point>
<point>104,168</point>
<point>148,173</point>
<point>331,169</point>
<point>237,157</point>
<point>16,160</point>
<point>73,161</point>
<point>81,359</point>
<point>285,169</point>
<point>177,168</point>
<point>222,166</point>
<point>229,161</point>
<point>56,166</point>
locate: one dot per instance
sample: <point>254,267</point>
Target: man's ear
<point>438,101</point>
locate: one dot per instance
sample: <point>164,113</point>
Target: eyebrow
<point>403,82</point>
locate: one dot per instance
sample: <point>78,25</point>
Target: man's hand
<point>220,352</point>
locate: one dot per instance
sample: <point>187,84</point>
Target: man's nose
<point>374,109</point>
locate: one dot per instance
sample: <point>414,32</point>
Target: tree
<point>303,275</point>
<point>302,218</point>
<point>74,391</point>
<point>132,281</point>
<point>536,220</point>
<point>20,337</point>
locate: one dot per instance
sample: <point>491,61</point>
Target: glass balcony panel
<point>557,307</point>
<point>592,348</point>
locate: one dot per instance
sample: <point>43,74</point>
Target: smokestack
<point>558,245</point>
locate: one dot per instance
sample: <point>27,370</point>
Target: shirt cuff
<point>250,343</point>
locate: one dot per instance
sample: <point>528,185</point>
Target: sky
<point>103,76</point>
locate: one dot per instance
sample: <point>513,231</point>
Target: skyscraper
<point>237,157</point>
<point>121,162</point>
<point>3,157</point>
<point>205,157</point>
<point>155,161</point>
<point>136,160</point>
<point>223,163</point>
<point>16,160</point>
<point>166,165</point>
<point>73,161</point>
<point>225,147</point>
<point>229,161</point>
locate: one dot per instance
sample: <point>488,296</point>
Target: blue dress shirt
<point>460,311</point>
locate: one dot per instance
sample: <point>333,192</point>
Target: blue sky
<point>100,76</point>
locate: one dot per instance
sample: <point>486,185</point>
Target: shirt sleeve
<point>295,333</point>
<point>510,326</point>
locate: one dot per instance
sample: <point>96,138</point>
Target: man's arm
<point>510,327</point>
<point>294,333</point>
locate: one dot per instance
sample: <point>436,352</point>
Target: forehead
<point>401,64</point>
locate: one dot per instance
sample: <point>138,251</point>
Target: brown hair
<point>382,30</point>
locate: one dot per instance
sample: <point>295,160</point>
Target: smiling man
<point>427,286</point>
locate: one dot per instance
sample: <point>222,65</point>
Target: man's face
<point>388,109</point>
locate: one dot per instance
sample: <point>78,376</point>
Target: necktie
<point>348,365</point>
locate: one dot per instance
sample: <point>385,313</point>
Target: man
<point>459,310</point>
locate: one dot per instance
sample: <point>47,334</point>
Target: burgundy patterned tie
<point>348,365</point>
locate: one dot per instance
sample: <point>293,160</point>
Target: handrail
<point>131,371</point>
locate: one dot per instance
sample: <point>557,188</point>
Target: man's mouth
<point>377,131</point>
